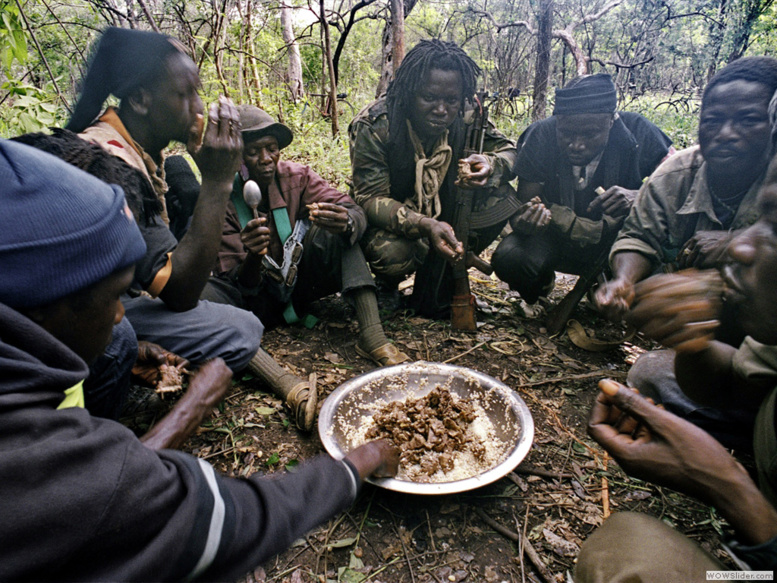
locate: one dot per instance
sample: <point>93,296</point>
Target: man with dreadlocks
<point>404,150</point>
<point>687,211</point>
<point>157,84</point>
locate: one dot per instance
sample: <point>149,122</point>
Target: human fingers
<point>448,236</point>
<point>604,416</point>
<point>328,217</point>
<point>389,460</point>
<point>329,206</point>
<point>614,298</point>
<point>151,353</point>
<point>206,136</point>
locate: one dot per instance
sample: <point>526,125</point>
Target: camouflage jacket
<point>672,205</point>
<point>383,201</point>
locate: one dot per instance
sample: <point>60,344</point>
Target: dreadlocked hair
<point>423,57</point>
<point>761,70</point>
<point>93,159</point>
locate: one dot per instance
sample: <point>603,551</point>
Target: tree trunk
<point>331,68</point>
<point>398,33</point>
<point>294,71</point>
<point>717,31</point>
<point>542,68</point>
<point>752,10</point>
<point>387,50</point>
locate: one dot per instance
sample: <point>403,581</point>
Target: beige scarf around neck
<point>430,172</point>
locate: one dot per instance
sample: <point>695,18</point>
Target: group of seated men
<point>189,273</point>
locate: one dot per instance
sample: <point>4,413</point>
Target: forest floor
<point>555,498</point>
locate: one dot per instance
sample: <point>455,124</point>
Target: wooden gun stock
<point>559,316</point>
<point>463,302</point>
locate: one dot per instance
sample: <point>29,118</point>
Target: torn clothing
<point>673,205</point>
<point>82,499</point>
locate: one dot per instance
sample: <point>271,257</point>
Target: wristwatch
<point>349,226</point>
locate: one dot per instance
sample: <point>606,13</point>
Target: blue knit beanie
<point>61,230</point>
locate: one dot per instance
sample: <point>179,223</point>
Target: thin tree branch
<point>43,57</point>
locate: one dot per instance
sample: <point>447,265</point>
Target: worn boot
<point>300,396</point>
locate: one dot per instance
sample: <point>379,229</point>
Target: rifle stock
<point>463,302</point>
<point>559,316</point>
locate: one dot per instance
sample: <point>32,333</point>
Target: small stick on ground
<point>605,490</point>
<point>533,555</point>
<point>431,535</point>
<point>532,471</point>
<point>404,550</point>
<point>458,356</point>
<point>575,377</point>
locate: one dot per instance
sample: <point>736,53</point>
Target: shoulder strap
<point>282,223</point>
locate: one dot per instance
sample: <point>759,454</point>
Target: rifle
<point>561,312</point>
<point>463,302</point>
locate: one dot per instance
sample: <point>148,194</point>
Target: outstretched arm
<point>654,445</point>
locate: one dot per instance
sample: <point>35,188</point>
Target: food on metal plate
<point>441,436</point>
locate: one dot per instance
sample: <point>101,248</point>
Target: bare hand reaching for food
<point>379,458</point>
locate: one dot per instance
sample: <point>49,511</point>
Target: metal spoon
<point>252,195</point>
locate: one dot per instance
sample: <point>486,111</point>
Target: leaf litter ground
<point>551,502</point>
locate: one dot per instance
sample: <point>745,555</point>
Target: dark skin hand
<point>256,238</point>
<point>613,299</point>
<point>652,444</point>
<point>615,202</point>
<point>706,249</point>
<point>480,170</point>
<point>379,459</point>
<point>680,310</point>
<point>329,216</point>
<point>150,357</point>
<point>532,217</point>
<point>206,390</point>
<point>442,239</point>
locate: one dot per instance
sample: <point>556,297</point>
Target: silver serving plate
<point>350,401</point>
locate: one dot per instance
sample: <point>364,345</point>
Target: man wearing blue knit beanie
<point>81,498</point>
<point>578,174</point>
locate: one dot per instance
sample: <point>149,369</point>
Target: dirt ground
<point>552,501</point>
